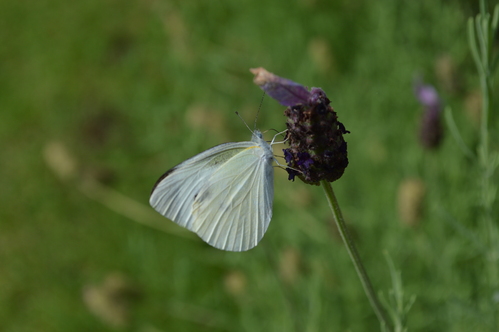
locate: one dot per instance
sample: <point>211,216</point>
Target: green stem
<point>451,124</point>
<point>481,35</point>
<point>354,255</point>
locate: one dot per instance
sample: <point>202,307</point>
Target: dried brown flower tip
<point>411,194</point>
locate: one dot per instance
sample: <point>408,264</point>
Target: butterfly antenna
<point>240,117</point>
<point>259,107</point>
<point>284,167</point>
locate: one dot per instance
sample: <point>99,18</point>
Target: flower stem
<point>354,255</point>
<point>481,31</point>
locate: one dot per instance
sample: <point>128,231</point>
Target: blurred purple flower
<point>427,95</point>
<point>431,130</point>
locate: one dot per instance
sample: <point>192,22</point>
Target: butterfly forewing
<point>175,191</point>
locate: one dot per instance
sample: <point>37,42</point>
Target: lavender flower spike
<point>426,94</point>
<point>431,130</point>
<point>317,150</point>
<point>285,91</point>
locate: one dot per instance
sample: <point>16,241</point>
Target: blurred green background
<point>99,98</point>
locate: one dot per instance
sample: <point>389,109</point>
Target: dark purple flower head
<point>288,156</point>
<point>431,129</point>
<point>292,173</point>
<point>316,96</point>
<point>317,150</point>
<point>304,160</point>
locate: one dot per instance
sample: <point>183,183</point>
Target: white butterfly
<point>223,194</point>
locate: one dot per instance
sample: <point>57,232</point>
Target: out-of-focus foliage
<point>99,98</point>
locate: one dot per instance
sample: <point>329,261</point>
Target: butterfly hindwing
<point>233,211</point>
